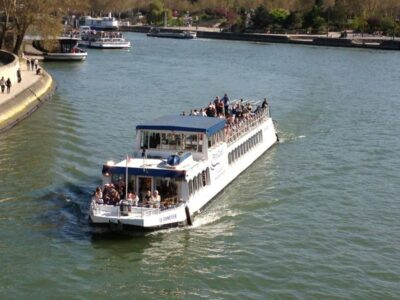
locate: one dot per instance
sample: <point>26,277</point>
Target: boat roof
<point>208,125</point>
<point>147,167</point>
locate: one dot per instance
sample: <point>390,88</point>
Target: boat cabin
<point>169,152</point>
<point>170,134</point>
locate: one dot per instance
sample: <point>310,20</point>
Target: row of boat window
<point>245,147</point>
<point>201,180</point>
<point>178,141</point>
<point>172,141</point>
<point>216,138</point>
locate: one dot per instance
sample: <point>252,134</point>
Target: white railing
<point>134,210</point>
<point>233,132</point>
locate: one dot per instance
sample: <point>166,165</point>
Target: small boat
<point>179,164</point>
<point>66,50</point>
<point>103,40</point>
<point>156,32</point>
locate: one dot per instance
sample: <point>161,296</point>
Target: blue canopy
<point>178,174</point>
<point>208,125</point>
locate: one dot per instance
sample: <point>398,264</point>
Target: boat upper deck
<point>209,126</point>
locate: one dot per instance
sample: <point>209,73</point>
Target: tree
<point>8,8</point>
<point>279,16</point>
<point>156,11</point>
<point>44,15</point>
<point>261,18</point>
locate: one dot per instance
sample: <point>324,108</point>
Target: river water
<point>316,217</point>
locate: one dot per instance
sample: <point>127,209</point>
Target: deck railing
<point>138,211</point>
<point>235,131</point>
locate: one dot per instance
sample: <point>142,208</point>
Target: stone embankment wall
<point>21,105</point>
<point>282,38</point>
<point>9,67</point>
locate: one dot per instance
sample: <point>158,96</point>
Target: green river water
<point>316,217</point>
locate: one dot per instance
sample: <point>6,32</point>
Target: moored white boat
<point>79,55</point>
<point>67,50</point>
<point>103,40</point>
<point>187,160</point>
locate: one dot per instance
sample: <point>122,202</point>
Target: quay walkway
<point>25,96</point>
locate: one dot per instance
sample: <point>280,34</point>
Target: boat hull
<point>102,45</point>
<point>65,56</point>
<point>171,36</point>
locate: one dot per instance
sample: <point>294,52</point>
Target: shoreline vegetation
<point>49,18</point>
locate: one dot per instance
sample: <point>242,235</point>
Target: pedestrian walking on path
<point>36,64</point>
<point>2,84</point>
<point>32,63</point>
<point>28,64</point>
<point>8,84</point>
<point>19,75</point>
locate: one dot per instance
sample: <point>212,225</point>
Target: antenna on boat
<point>126,177</point>
<point>144,156</point>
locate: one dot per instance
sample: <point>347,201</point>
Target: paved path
<point>28,79</point>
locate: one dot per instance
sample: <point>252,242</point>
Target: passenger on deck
<point>210,110</point>
<point>265,103</point>
<point>115,198</point>
<point>147,200</point>
<point>220,108</point>
<point>202,113</point>
<point>156,199</point>
<point>98,196</point>
<point>107,194</point>
<point>133,199</point>
<point>225,99</point>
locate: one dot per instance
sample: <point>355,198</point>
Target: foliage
<point>279,15</point>
<point>156,12</point>
<point>261,18</point>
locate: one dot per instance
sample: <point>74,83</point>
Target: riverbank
<point>355,41</point>
<point>26,96</point>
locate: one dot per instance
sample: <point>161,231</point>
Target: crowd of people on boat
<point>114,194</point>
<point>238,114</point>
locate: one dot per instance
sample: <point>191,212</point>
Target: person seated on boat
<point>156,199</point>
<point>115,198</point>
<point>98,196</point>
<point>147,200</point>
<point>119,186</point>
<point>183,114</point>
<point>133,199</point>
<point>202,113</point>
<point>166,203</point>
<point>107,194</point>
<point>195,113</point>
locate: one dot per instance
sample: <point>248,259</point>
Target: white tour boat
<point>179,164</point>
<point>104,23</point>
<point>103,39</point>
